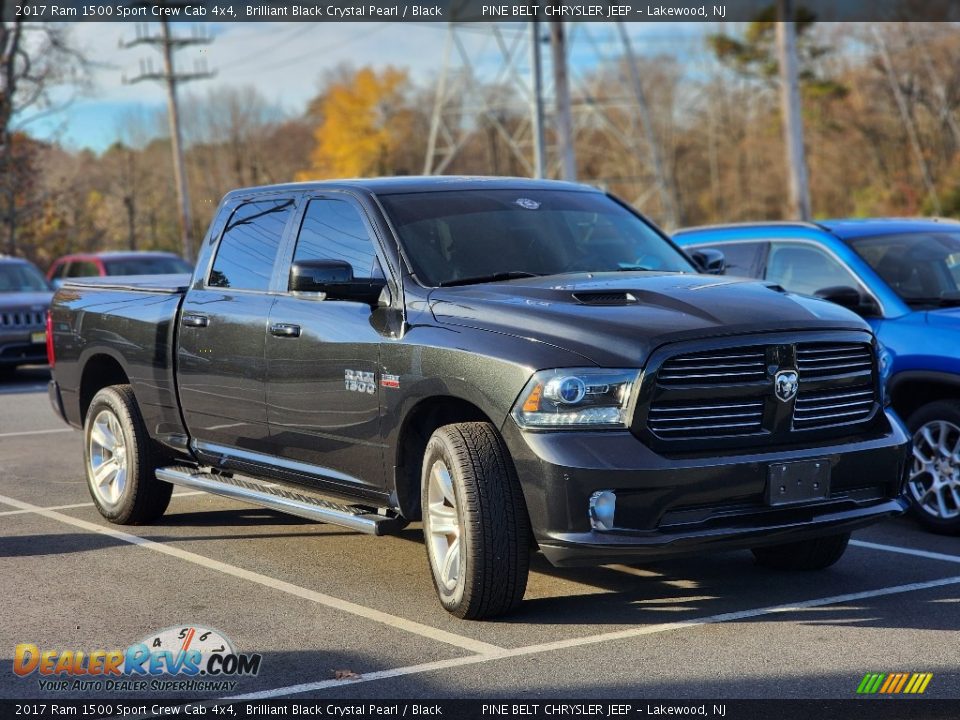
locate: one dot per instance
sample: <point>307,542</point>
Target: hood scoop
<point>605,297</point>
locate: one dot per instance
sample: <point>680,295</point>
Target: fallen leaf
<point>345,675</point>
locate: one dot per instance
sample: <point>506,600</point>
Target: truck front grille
<point>729,394</point>
<point>818,409</point>
<point>826,359</point>
<point>724,367</point>
<point>22,319</point>
<point>689,420</point>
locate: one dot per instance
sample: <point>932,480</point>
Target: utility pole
<point>664,185</point>
<point>790,111</point>
<point>168,44</point>
<point>539,144</point>
<point>561,85</point>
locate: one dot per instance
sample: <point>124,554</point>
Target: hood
<point>617,319</point>
<point>33,301</point>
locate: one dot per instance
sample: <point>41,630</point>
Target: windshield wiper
<point>492,277</point>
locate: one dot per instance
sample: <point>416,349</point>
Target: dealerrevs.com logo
<point>185,658</point>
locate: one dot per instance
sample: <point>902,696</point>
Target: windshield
<point>454,236</point>
<point>922,268</point>
<point>147,266</point>
<point>21,277</point>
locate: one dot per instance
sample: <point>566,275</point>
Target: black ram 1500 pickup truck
<point>524,365</point>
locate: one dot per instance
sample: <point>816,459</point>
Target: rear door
<point>323,392</point>
<point>223,324</point>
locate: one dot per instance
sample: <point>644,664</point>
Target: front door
<point>323,393</point>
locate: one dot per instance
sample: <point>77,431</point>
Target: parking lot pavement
<point>316,599</point>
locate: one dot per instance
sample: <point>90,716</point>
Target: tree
<point>366,121</point>
<point>34,58</point>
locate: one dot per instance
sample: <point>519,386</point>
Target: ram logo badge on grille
<point>785,385</point>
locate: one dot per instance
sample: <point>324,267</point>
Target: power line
<point>168,43</point>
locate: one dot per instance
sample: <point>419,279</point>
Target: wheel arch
<point>911,390</point>
<point>418,425</point>
<point>99,371</point>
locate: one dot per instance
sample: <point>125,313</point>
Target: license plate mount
<point>798,482</point>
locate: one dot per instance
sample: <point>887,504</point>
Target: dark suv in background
<point>24,298</point>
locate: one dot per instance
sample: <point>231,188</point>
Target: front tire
<point>814,554</point>
<point>119,461</point>
<point>933,487</point>
<point>474,522</point>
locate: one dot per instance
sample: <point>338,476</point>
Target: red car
<point>116,263</point>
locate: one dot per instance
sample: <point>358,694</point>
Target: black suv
<point>522,364</point>
<point>24,299</point>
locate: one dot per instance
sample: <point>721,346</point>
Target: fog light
<point>603,505</point>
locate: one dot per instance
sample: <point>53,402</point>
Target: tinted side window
<point>58,271</point>
<point>83,268</point>
<point>805,269</point>
<point>743,259</point>
<point>334,230</point>
<point>248,248</point>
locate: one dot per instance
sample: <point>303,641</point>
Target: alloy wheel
<point>935,476</point>
<point>107,458</point>
<point>443,526</point>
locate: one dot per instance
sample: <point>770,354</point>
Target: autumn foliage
<point>366,119</point>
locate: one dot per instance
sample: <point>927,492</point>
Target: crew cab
<point>903,277</point>
<point>523,365</point>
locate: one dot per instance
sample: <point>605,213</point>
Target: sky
<point>284,61</point>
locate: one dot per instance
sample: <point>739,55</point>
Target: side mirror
<point>848,297</point>
<point>709,261</point>
<point>319,275</point>
<point>334,278</point>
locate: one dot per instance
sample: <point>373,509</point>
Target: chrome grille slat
<point>816,409</point>
<point>728,367</point>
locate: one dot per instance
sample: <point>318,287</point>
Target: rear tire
<point>119,460</point>
<point>814,554</point>
<point>474,522</point>
<point>933,486</point>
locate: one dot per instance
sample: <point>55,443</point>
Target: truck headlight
<point>576,397</point>
<point>885,366</point>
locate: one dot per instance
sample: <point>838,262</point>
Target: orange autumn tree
<point>366,123</point>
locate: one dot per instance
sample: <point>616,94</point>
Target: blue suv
<point>903,276</point>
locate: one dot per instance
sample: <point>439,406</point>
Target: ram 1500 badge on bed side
<point>523,364</point>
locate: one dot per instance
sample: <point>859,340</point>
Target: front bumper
<point>19,349</point>
<point>685,505</point>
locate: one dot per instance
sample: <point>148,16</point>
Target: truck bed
<point>124,329</point>
<point>137,283</point>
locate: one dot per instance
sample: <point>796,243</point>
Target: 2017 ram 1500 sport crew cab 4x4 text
<point>522,364</point>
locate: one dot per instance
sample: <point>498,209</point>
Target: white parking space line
<point>88,504</point>
<point>21,433</point>
<point>595,639</point>
<point>393,621</point>
<point>907,551</point>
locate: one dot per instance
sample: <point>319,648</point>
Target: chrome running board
<point>283,498</point>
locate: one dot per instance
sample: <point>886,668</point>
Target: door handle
<point>197,321</point>
<point>285,330</point>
